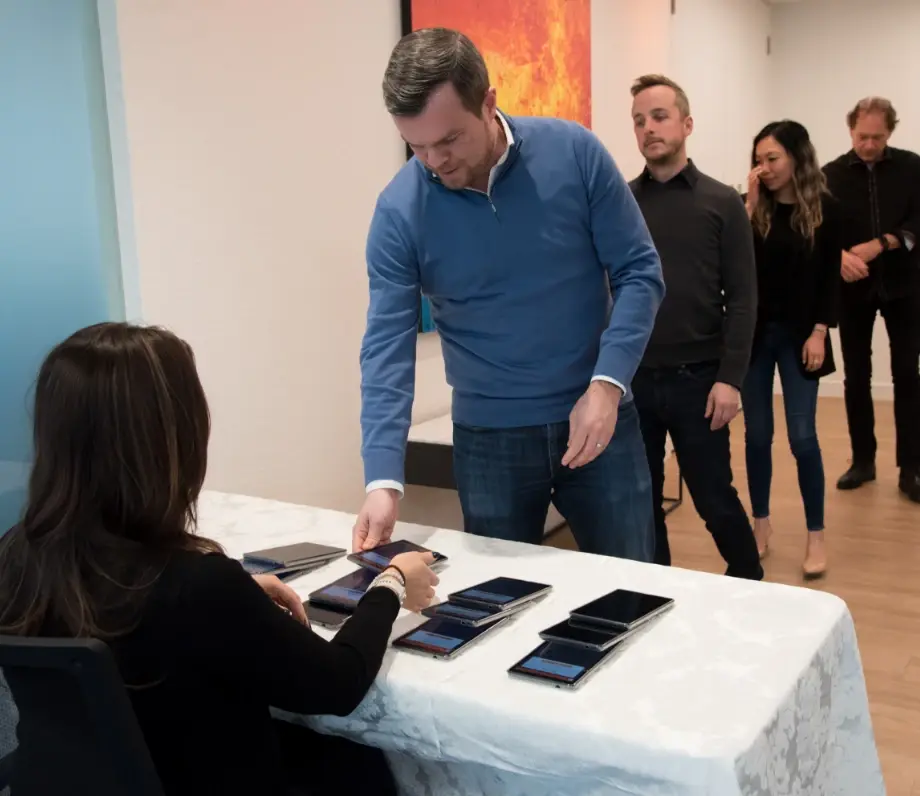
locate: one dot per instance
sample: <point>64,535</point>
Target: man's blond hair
<point>651,81</point>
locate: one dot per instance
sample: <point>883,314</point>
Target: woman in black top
<point>797,240</point>
<point>106,549</point>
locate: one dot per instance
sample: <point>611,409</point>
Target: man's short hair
<point>651,81</point>
<point>426,59</point>
<point>874,105</point>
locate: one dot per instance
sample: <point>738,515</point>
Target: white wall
<point>629,39</point>
<point>258,143</point>
<point>255,152</point>
<point>818,76</point>
<point>716,50</point>
<point>718,53</point>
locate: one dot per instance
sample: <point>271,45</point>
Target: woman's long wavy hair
<point>121,429</point>
<point>808,180</point>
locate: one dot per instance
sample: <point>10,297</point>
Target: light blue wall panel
<point>59,262</point>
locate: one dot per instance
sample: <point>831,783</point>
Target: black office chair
<point>77,729</point>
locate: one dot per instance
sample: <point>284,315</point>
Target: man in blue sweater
<point>518,230</point>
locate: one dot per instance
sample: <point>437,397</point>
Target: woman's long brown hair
<point>121,431</point>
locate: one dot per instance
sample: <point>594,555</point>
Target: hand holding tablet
<point>379,558</point>
<point>418,578</point>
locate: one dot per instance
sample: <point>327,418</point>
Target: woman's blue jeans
<point>778,348</point>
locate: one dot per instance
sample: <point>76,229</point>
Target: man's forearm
<point>738,331</point>
<point>623,343</point>
<point>739,284</point>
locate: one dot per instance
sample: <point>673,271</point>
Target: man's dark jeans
<point>673,401</point>
<point>507,478</point>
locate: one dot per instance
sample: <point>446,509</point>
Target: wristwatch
<point>883,239</point>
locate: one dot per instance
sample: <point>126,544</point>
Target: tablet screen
<point>622,607</point>
<point>561,662</point>
<point>380,557</point>
<point>441,636</point>
<point>347,590</point>
<point>500,591</point>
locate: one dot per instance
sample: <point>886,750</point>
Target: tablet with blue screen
<point>379,558</point>
<point>344,593</point>
<point>560,665</point>
<point>443,638</point>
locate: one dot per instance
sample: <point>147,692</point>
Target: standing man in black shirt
<point>878,187</point>
<point>689,382</point>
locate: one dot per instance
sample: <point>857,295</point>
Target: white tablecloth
<point>742,688</point>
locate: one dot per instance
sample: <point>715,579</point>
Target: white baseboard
<point>833,388</point>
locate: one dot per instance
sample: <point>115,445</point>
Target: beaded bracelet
<point>402,574</point>
<point>388,582</point>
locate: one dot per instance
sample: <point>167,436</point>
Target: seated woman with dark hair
<point>106,549</point>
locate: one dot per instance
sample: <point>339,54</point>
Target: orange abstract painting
<point>538,51</point>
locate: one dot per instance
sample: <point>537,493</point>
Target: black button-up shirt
<point>881,199</point>
<point>705,241</point>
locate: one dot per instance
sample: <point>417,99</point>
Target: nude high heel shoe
<point>763,530</point>
<point>815,564</point>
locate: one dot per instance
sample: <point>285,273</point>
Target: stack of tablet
<point>290,560</point>
<point>574,649</point>
<point>470,614</point>
<point>331,605</point>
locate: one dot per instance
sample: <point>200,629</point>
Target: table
<point>743,688</point>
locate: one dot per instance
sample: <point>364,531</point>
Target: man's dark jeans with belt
<point>673,401</point>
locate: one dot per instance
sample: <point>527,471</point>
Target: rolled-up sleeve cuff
<point>609,380</point>
<point>384,484</point>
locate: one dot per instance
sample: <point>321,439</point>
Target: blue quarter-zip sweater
<point>520,283</point>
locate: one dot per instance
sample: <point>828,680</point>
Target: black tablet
<point>326,616</point>
<point>560,665</point>
<point>473,615</point>
<point>379,558</point>
<point>344,593</point>
<point>502,593</point>
<point>443,638</point>
<point>621,609</point>
<point>294,554</point>
<point>285,572</point>
<point>594,638</point>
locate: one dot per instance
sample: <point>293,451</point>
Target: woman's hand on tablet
<point>283,596</point>
<point>419,578</point>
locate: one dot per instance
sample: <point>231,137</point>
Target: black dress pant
<point>673,401</point>
<point>902,321</point>
<point>327,765</point>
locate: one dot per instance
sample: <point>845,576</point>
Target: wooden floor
<point>873,537</point>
